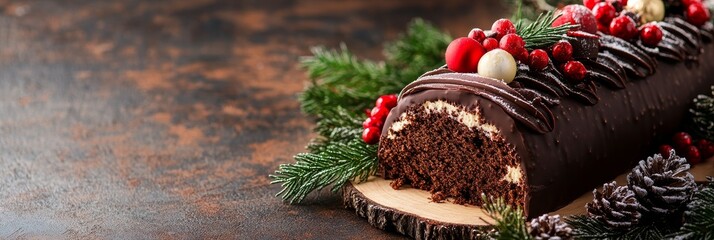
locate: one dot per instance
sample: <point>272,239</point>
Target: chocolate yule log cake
<point>540,127</point>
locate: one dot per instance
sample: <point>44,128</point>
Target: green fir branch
<point>589,228</point>
<point>510,221</point>
<point>699,216</point>
<point>540,32</point>
<point>337,164</point>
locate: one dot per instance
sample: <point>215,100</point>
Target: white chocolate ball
<point>649,10</point>
<point>498,64</point>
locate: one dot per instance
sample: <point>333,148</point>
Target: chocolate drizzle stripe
<point>510,100</point>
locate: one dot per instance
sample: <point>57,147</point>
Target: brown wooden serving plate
<point>411,212</point>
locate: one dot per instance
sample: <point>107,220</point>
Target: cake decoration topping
<point>604,13</point>
<point>477,34</point>
<point>575,71</point>
<point>490,44</point>
<point>623,27</point>
<point>648,10</point>
<point>697,13</point>
<point>651,35</point>
<point>372,126</point>
<point>538,59</point>
<point>562,51</point>
<point>464,54</point>
<point>579,16</point>
<point>502,27</point>
<point>498,64</point>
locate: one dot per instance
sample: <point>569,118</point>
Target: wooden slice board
<point>411,212</point>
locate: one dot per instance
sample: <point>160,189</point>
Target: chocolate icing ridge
<point>533,113</point>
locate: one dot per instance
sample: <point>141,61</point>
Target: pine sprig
<point>540,32</point>
<point>510,222</point>
<point>589,228</point>
<point>337,164</point>
<point>699,217</point>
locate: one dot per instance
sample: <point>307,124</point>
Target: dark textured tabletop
<point>162,119</point>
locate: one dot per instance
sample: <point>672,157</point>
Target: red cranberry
<point>512,44</point>
<point>477,34</point>
<point>490,44</point>
<point>697,14</point>
<point>690,2</point>
<point>371,135</point>
<point>373,122</point>
<point>623,27</point>
<point>368,112</point>
<point>538,59</point>
<point>651,35</point>
<point>387,101</point>
<point>463,54</point>
<point>575,71</point>
<point>502,27</point>
<point>682,140</point>
<point>562,51</point>
<point>580,15</point>
<point>692,155</point>
<point>604,13</point>
<point>665,150</point>
<point>590,3</point>
<point>706,148</point>
<point>380,113</point>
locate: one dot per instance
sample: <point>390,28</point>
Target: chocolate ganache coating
<point>571,138</point>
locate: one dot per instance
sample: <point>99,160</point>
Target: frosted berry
<point>697,14</point>
<point>562,51</point>
<point>463,55</point>
<point>604,13</point>
<point>692,154</point>
<point>681,140</point>
<point>477,34</point>
<point>502,27</point>
<point>577,14</point>
<point>651,35</point>
<point>380,112</point>
<point>371,135</point>
<point>575,71</point>
<point>387,101</point>
<point>690,2</point>
<point>590,3</point>
<point>664,150</point>
<point>490,44</point>
<point>512,44</point>
<point>538,59</point>
<point>522,55</point>
<point>706,148</point>
<point>623,27</point>
<point>373,122</point>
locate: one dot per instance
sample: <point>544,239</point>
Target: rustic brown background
<point>162,119</point>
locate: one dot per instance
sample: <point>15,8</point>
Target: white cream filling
<point>471,120</point>
<point>513,175</point>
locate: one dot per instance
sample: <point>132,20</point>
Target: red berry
<point>502,27</point>
<point>623,27</point>
<point>706,148</point>
<point>371,135</point>
<point>522,55</point>
<point>604,13</point>
<point>697,14</point>
<point>512,44</point>
<point>604,28</point>
<point>538,60</point>
<point>368,112</point>
<point>463,55</point>
<point>682,140</point>
<point>387,101</point>
<point>578,14</point>
<point>373,122</point>
<point>575,71</point>
<point>477,34</point>
<point>692,155</point>
<point>690,2</point>
<point>651,35</point>
<point>665,150</point>
<point>490,44</point>
<point>590,3</point>
<point>562,51</point>
<point>380,113</point>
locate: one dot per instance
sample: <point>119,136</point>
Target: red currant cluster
<point>683,143</point>
<point>613,20</point>
<point>464,54</point>
<point>375,118</point>
<point>573,70</point>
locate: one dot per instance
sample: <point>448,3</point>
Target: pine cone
<point>702,116</point>
<point>549,227</point>
<point>661,185</point>
<point>616,206</point>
